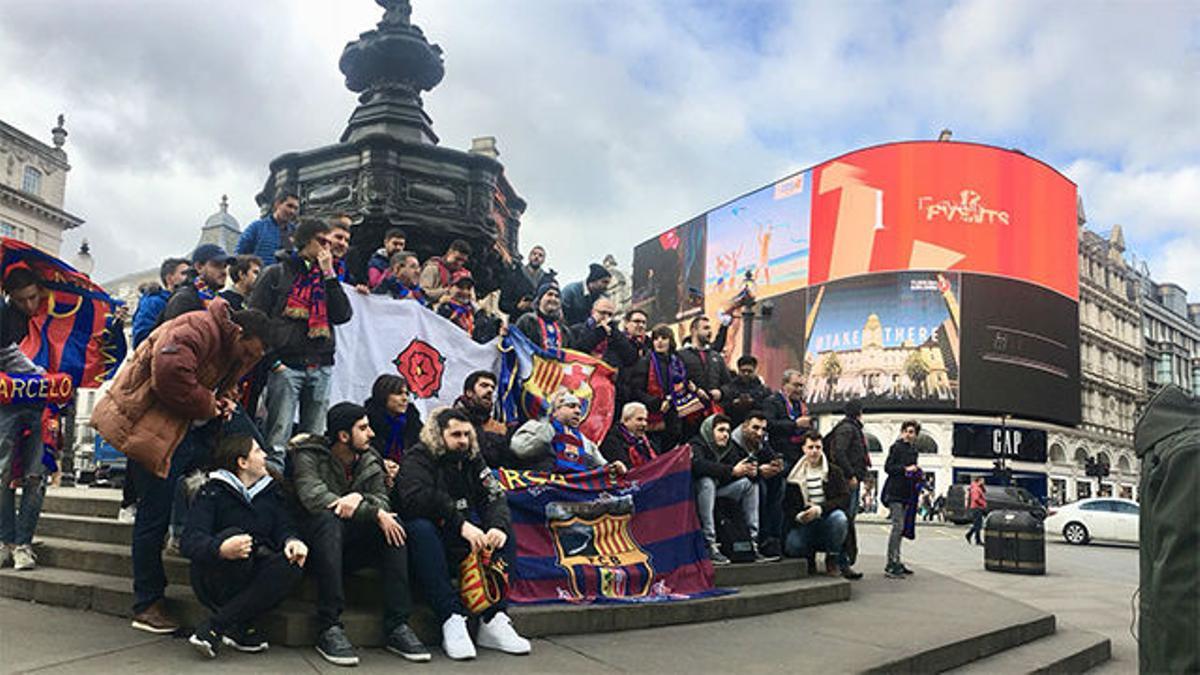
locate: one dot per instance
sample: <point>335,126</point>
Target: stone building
<point>33,184</point>
<point>1171,332</point>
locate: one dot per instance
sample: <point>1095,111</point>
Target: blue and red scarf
<point>394,450</point>
<point>569,448</point>
<point>795,412</point>
<point>463,316</point>
<point>639,448</point>
<point>551,335</point>
<point>399,291</point>
<point>306,299</point>
<point>206,294</point>
<point>672,374</point>
<point>339,268</point>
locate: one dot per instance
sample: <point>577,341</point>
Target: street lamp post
<point>751,310</point>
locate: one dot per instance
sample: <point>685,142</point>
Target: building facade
<point>1171,332</point>
<point>33,186</point>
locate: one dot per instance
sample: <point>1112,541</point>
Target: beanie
<point>597,272</point>
<point>341,417</point>
<point>547,286</point>
<point>853,408</point>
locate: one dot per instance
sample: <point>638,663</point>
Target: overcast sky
<point>615,119</point>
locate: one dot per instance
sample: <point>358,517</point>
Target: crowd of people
<point>239,460</point>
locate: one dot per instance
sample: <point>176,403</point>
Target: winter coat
<point>491,434</point>
<point>262,238</point>
<point>587,337</point>
<point>977,497</point>
<point>782,429</point>
<point>529,327</point>
<point>297,350</point>
<point>173,378</point>
<point>237,301</point>
<point>705,365</point>
<point>835,487</point>
<point>898,487</point>
<point>486,326</point>
<point>145,319</point>
<point>377,415</point>
<point>614,448</point>
<point>532,446</point>
<point>435,279</point>
<point>446,487</point>
<point>320,478</point>
<point>848,448</point>
<point>224,507</point>
<point>520,282</point>
<point>377,268</point>
<point>577,303</point>
<point>741,395</point>
<point>711,461</point>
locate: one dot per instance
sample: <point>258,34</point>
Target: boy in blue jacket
<point>246,556</point>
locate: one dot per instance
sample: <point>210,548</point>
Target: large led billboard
<point>917,275</point>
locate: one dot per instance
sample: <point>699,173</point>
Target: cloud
<point>616,120</point>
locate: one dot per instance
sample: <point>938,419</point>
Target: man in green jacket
<point>340,483</point>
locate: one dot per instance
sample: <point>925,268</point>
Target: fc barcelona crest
<point>593,543</point>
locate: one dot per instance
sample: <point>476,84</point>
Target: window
<point>1103,505</point>
<point>7,229</point>
<point>1123,507</point>
<point>32,181</point>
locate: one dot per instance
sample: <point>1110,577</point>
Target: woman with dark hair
<point>660,382</point>
<point>394,419</point>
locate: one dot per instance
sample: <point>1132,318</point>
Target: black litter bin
<point>1014,541</point>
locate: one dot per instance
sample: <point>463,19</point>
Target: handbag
<point>483,580</point>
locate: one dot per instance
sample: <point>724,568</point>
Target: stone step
<point>957,653</point>
<point>85,528</point>
<point>361,587</point>
<point>1067,651</point>
<point>293,622</point>
<point>95,502</point>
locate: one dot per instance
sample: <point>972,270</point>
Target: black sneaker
<point>849,573</point>
<point>205,640</point>
<point>246,639</point>
<point>771,548</point>
<point>335,647</point>
<point>893,572</point>
<point>759,557</point>
<point>904,569</point>
<point>715,555</point>
<point>404,642</point>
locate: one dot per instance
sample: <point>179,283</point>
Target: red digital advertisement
<point>929,205</point>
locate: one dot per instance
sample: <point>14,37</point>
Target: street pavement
<point>1091,587</point>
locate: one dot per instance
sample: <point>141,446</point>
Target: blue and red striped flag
<point>590,537</point>
<point>74,331</point>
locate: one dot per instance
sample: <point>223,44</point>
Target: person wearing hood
<point>341,485</point>
<point>578,297</point>
<point>722,469</point>
<point>544,326</point>
<point>380,265</point>
<point>244,550</point>
<point>304,298</point>
<point>454,506</point>
<point>477,403</point>
<point>556,445</point>
<point>815,502</point>
<point>266,235</point>
<point>395,421</point>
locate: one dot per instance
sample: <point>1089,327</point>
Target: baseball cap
<point>206,253</point>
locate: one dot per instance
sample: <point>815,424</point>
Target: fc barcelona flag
<point>592,537</point>
<point>74,331</point>
<point>529,375</point>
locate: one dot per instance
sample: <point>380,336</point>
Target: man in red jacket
<point>977,503</point>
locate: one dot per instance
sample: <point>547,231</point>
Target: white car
<point>1108,519</point>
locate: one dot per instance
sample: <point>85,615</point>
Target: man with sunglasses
<point>305,300</point>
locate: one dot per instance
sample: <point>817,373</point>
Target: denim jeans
<point>289,389</point>
<point>25,450</point>
<point>844,559</point>
<point>770,506</point>
<point>17,527</point>
<point>896,536</point>
<point>743,491</point>
<point>155,500</point>
<point>436,555</point>
<point>976,525</point>
<point>826,533</point>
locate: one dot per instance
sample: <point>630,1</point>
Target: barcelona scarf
<point>396,288</point>
<point>594,537</point>
<point>74,331</point>
<point>670,383</point>
<point>463,316</point>
<point>306,299</point>
<point>568,448</point>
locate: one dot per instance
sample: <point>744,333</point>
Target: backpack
<point>733,535</point>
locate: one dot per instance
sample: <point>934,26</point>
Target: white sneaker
<point>127,514</point>
<point>500,635</point>
<point>6,554</point>
<point>456,641</point>
<point>24,558</point>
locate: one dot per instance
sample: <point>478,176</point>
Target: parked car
<point>998,498</point>
<point>1108,519</point>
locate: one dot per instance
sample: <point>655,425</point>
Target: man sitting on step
<point>455,507</point>
<point>245,553</point>
<point>340,482</point>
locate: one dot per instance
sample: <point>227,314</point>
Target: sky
<point>615,119</point>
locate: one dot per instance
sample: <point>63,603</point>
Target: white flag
<point>386,335</point>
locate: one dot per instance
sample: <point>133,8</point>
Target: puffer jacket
<point>224,508</point>
<point>319,478</point>
<point>174,378</point>
<point>447,487</point>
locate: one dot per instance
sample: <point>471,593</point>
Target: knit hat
<point>342,417</point>
<point>853,408</point>
<point>547,286</point>
<point>597,272</point>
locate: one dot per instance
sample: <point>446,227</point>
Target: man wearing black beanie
<point>578,298</point>
<point>340,483</point>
